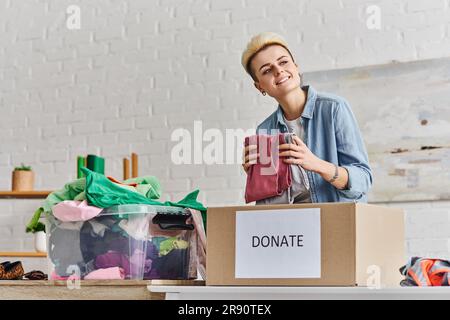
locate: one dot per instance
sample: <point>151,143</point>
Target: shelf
<point>24,254</point>
<point>25,194</point>
<point>90,290</point>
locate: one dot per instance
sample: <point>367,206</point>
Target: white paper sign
<point>281,243</point>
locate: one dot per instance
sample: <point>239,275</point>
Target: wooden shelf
<point>23,254</point>
<point>90,290</point>
<point>25,194</point>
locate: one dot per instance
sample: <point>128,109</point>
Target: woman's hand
<point>250,157</point>
<point>298,153</point>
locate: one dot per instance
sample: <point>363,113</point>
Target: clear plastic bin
<point>136,241</point>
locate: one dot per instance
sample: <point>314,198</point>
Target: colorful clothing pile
<point>425,272</point>
<point>126,247</point>
<point>92,245</point>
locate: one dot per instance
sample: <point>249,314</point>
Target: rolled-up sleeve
<point>352,154</point>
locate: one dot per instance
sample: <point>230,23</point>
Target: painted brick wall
<point>138,69</point>
<point>427,226</point>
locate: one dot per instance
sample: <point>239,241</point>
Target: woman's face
<point>275,71</point>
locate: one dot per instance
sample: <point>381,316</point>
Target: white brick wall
<point>427,226</point>
<point>137,70</point>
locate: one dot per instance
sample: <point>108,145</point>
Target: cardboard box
<point>354,245</point>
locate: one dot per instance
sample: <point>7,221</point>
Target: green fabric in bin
<point>71,191</point>
<point>148,186</point>
<point>103,193</point>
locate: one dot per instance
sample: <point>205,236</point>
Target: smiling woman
<point>326,142</point>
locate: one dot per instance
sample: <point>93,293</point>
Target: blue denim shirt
<point>332,134</point>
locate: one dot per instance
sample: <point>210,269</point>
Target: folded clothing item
<point>299,191</point>
<point>269,176</point>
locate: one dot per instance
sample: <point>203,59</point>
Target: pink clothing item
<point>71,211</point>
<point>270,176</point>
<point>197,246</point>
<point>114,273</point>
<point>55,276</point>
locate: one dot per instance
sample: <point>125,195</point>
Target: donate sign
<point>282,243</point>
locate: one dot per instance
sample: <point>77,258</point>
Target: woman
<point>328,143</point>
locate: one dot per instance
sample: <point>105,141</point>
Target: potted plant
<point>40,240</point>
<point>38,229</point>
<point>22,178</point>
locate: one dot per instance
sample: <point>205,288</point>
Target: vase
<point>22,180</point>
<point>40,241</point>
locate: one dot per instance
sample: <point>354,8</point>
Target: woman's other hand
<point>298,153</point>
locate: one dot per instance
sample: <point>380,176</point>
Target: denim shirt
<point>332,134</point>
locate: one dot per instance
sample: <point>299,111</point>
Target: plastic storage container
<point>124,242</point>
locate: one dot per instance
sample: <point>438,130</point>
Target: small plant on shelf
<point>38,229</point>
<point>22,168</point>
<point>22,178</point>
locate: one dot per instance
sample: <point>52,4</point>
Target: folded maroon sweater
<point>269,176</point>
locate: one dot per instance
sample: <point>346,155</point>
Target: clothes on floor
<point>426,272</point>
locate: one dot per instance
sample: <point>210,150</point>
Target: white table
<point>300,293</point>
